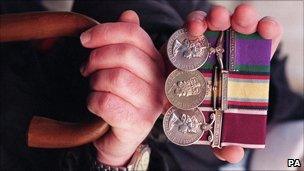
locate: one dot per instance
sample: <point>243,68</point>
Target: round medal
<point>185,53</point>
<point>183,127</point>
<point>185,89</point>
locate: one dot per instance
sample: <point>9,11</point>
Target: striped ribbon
<point>247,58</point>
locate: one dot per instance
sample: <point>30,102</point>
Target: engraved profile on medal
<point>189,48</point>
<point>185,90</point>
<point>185,124</point>
<point>183,127</point>
<point>185,53</point>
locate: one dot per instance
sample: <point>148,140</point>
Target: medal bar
<point>199,62</point>
<point>220,82</point>
<point>184,124</point>
<point>217,114</point>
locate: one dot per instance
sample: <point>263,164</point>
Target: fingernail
<point>196,28</point>
<point>85,37</point>
<point>197,16</point>
<point>82,68</point>
<point>270,19</point>
<point>219,157</point>
<point>196,19</point>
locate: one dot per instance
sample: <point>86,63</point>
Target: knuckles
<point>113,111</point>
<point>117,114</point>
<point>151,98</point>
<point>98,103</point>
<point>117,78</point>
<point>105,102</point>
<point>124,50</point>
<point>104,31</point>
<point>133,29</point>
<point>109,106</point>
<point>121,78</point>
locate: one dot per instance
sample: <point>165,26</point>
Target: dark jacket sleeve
<point>18,103</point>
<point>34,85</point>
<point>284,104</point>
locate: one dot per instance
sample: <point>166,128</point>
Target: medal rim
<point>170,100</point>
<point>169,46</point>
<point>164,126</point>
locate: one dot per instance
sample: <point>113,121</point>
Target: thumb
<point>231,154</point>
<point>129,16</point>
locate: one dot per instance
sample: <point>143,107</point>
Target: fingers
<point>269,28</point>
<point>123,56</point>
<point>218,18</point>
<point>119,32</point>
<point>196,23</point>
<point>113,109</point>
<point>129,16</point>
<point>245,19</point>
<point>127,86</point>
<point>231,154</point>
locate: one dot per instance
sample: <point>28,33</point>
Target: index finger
<point>120,32</point>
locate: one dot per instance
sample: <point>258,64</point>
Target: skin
<point>127,75</point>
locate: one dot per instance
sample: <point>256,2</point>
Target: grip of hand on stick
<point>44,132</point>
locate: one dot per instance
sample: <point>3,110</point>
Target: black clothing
<point>50,85</point>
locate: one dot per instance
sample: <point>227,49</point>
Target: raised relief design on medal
<point>185,53</point>
<point>187,88</point>
<point>185,124</point>
<point>189,48</point>
<point>183,127</point>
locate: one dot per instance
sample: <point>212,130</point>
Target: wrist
<point>114,154</point>
<point>113,160</point>
<point>139,161</point>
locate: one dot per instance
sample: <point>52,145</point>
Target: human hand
<point>127,81</point>
<point>245,20</point>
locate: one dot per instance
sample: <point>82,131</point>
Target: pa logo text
<point>293,163</point>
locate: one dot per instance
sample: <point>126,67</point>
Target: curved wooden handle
<point>45,132</point>
<point>39,25</point>
<point>49,133</point>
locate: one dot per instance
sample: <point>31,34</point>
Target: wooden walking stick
<point>44,132</point>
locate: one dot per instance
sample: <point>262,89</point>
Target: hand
<point>127,81</point>
<point>245,20</point>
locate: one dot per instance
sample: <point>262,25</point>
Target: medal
<point>183,127</point>
<point>185,89</point>
<point>233,104</point>
<point>185,53</point>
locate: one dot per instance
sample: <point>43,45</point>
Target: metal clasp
<point>219,96</point>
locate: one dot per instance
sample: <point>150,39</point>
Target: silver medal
<point>183,127</point>
<point>185,89</point>
<point>185,53</point>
